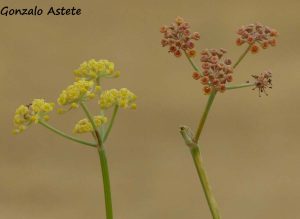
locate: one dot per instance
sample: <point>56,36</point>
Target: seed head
<point>177,36</point>
<point>262,82</point>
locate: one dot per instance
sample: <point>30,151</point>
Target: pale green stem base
<point>204,182</point>
<point>106,183</point>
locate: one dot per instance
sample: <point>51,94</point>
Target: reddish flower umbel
<point>216,70</point>
<point>262,82</point>
<point>178,38</point>
<point>257,35</point>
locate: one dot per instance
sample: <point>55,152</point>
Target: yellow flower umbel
<point>31,113</point>
<point>84,125</point>
<point>78,91</point>
<point>85,88</point>
<point>94,70</point>
<point>123,98</point>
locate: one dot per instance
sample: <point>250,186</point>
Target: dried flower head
<point>217,71</point>
<point>123,98</point>
<point>79,91</point>
<point>257,34</point>
<point>84,125</point>
<point>178,38</point>
<point>93,70</point>
<point>263,81</point>
<point>31,113</point>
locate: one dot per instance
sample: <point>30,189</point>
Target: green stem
<point>212,97</point>
<point>191,62</point>
<point>232,87</point>
<point>204,182</point>
<point>111,122</point>
<point>106,183</point>
<point>242,56</point>
<point>46,125</point>
<point>204,115</point>
<point>103,164</point>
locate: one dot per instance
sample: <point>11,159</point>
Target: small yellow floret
<point>133,106</point>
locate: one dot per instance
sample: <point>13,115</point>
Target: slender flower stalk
<point>214,75</point>
<point>242,56</point>
<point>95,129</point>
<point>232,87</point>
<point>111,123</point>
<point>191,62</point>
<point>61,133</point>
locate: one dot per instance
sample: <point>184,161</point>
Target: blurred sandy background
<point>250,144</point>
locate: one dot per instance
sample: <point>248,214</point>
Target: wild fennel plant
<point>215,73</point>
<point>87,86</point>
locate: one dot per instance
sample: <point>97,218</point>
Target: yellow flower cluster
<point>76,92</point>
<point>84,125</point>
<point>93,70</point>
<point>123,98</point>
<point>33,112</point>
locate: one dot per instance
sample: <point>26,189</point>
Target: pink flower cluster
<point>178,37</point>
<point>216,70</point>
<point>257,34</point>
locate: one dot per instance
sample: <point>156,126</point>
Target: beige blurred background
<point>250,144</point>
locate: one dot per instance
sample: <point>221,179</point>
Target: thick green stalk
<point>106,183</point>
<point>103,164</point>
<point>65,135</point>
<point>204,115</point>
<point>111,123</point>
<point>204,182</point>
